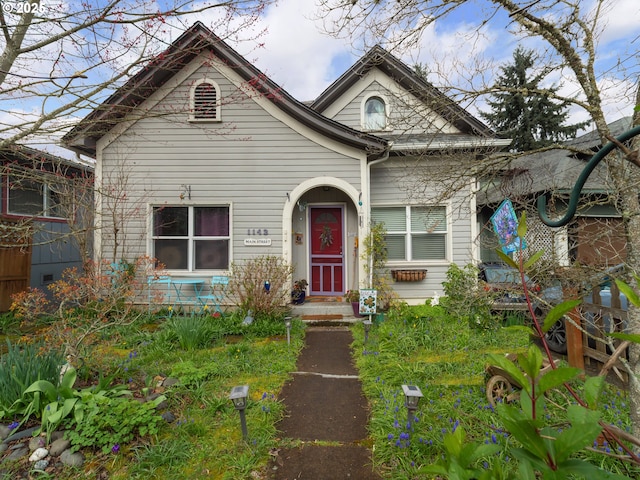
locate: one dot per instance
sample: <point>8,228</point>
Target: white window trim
<point>191,238</point>
<point>407,236</point>
<point>192,108</point>
<point>387,110</point>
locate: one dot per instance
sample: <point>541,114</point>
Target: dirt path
<point>324,403</point>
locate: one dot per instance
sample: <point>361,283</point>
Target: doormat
<point>323,299</point>
<point>322,317</point>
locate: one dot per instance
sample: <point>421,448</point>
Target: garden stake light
<point>239,397</point>
<point>287,323</point>
<point>367,327</point>
<point>412,396</point>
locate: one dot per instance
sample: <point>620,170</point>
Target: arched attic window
<point>205,101</point>
<point>374,114</point>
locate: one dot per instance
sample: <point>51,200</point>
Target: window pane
<point>170,221</point>
<point>25,197</point>
<point>428,247</point>
<point>172,253</point>
<point>394,218</point>
<point>212,221</point>
<point>54,203</point>
<point>212,254</point>
<point>375,117</point>
<point>396,247</point>
<point>428,219</point>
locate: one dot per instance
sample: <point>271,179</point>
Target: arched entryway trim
<point>291,204</point>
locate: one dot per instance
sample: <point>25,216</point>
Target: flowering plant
<point>300,285</point>
<point>298,293</point>
<point>352,296</point>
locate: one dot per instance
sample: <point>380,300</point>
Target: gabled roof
<point>558,169</point>
<point>197,39</point>
<point>381,59</point>
<point>591,140</point>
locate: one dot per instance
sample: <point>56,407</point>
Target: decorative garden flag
<point>368,301</point>
<point>505,224</point>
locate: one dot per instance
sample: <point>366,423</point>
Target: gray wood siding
<point>251,160</point>
<point>53,251</point>
<point>389,188</point>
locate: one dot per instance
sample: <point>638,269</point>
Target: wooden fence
<point>597,319</point>
<point>15,261</point>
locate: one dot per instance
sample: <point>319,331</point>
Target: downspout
<point>382,159</point>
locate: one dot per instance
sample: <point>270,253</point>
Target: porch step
<point>325,313</point>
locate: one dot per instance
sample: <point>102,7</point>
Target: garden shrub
<point>464,299</point>
<point>31,303</point>
<point>247,289</point>
<point>23,365</point>
<point>90,301</point>
<point>375,256</point>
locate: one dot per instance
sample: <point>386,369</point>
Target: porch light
<point>239,396</point>
<point>412,396</point>
<point>367,328</point>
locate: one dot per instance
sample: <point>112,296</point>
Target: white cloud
<point>621,21</point>
<point>295,53</point>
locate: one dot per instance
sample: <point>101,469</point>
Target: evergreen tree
<point>524,111</point>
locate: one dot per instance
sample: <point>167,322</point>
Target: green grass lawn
<point>446,359</point>
<point>444,356</point>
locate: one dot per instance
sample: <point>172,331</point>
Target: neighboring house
<point>595,236</point>
<point>36,239</point>
<point>223,165</point>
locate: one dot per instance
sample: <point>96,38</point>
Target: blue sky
<point>304,61</point>
<point>299,56</point>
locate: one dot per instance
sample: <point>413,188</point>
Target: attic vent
<point>205,102</point>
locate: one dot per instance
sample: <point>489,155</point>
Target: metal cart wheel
<point>498,390</point>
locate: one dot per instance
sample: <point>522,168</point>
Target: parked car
<point>502,278</point>
<point>506,282</point>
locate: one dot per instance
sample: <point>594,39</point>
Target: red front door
<point>327,257</point>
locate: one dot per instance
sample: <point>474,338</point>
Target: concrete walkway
<point>327,412</point>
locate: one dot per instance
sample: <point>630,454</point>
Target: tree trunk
<point>631,205</point>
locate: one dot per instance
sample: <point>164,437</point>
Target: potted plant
<point>353,297</point>
<point>299,292</point>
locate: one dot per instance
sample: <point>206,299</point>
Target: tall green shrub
<point>375,256</point>
<point>464,298</point>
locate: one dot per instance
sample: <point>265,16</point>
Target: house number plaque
<point>255,242</point>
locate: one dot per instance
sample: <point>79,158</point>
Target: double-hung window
<point>192,238</point>
<point>414,233</point>
<point>32,198</point>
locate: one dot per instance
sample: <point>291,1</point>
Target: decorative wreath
<point>326,237</point>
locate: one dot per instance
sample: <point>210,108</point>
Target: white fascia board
<point>444,145</point>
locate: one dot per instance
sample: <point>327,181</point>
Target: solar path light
<point>412,396</point>
<point>239,396</point>
<point>367,327</point>
<point>287,323</point>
